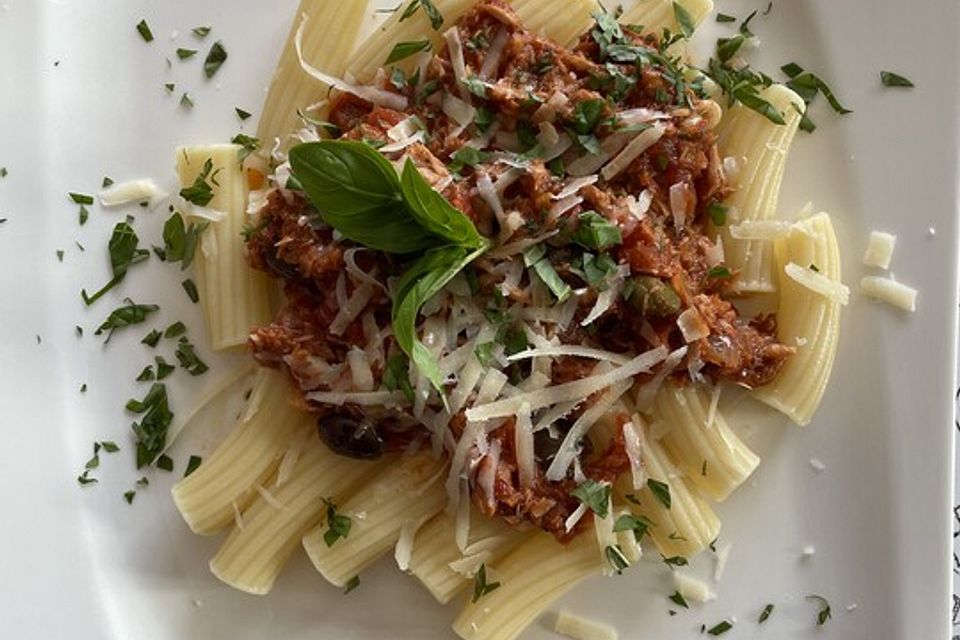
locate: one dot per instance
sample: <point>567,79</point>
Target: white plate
<point>82,97</point>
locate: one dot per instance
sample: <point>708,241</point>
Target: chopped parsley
<point>891,79</point>
<point>396,376</point>
<point>125,316</point>
<point>660,491</point>
<point>536,258</point>
<point>720,628</point>
<point>175,330</point>
<point>596,495</point>
<point>192,465</point>
<point>615,557</point>
<point>586,116</point>
<point>151,339</point>
<point>81,198</point>
<point>684,20</point>
<point>719,271</point>
<point>824,613</point>
<point>60,255</point>
<point>241,113</point>
<point>3,172</point>
<point>179,238</point>
<point>169,87</point>
<point>147,374</point>
<point>144,30</point>
<point>191,289</point>
<point>638,524</point>
<point>352,584</point>
<point>338,526</point>
<point>596,232</point>
<point>767,610</point>
<point>718,213</point>
<point>723,17</point>
<point>186,101</point>
<point>129,496</point>
<point>151,430</point>
<point>679,600</point>
<point>200,192</point>
<point>430,9</point>
<point>249,144</point>
<point>165,463</point>
<point>201,32</point>
<point>675,561</point>
<point>84,214</point>
<point>215,59</point>
<point>164,368</point>
<point>480,585</point>
<point>188,358</point>
<point>403,50</point>
<point>183,54</point>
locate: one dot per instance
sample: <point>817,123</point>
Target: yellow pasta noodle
<point>760,147</point>
<point>409,490</point>
<point>207,497</point>
<point>656,15</point>
<point>233,296</point>
<point>329,38</point>
<point>435,550</point>
<point>532,577</point>
<point>563,22</point>
<point>807,320</point>
<point>705,449</point>
<point>274,523</point>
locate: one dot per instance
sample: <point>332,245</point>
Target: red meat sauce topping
<point>668,265</point>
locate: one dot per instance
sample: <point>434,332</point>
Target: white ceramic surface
<point>82,96</point>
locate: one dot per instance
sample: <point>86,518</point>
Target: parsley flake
<point>480,585</point>
<point>215,59</point>
<point>891,79</point>
<point>720,628</point>
<point>660,490</point>
<point>338,526</point>
<point>144,30</point>
<point>824,614</point>
<point>596,495</point>
<point>767,610</point>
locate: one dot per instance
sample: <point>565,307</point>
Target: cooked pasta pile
<point>475,273</point>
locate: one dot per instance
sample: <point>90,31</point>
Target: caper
<point>651,296</point>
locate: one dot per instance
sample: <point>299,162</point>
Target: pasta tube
<point>760,147</point>
<point>271,528</point>
<point>330,36</point>
<point>407,491</point>
<point>561,21</point>
<point>706,450</point>
<point>207,497</point>
<point>806,319</point>
<point>233,296</point>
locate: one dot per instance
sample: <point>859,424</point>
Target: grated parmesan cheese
<point>722,555</point>
<point>692,589</point>
<point>760,230</point>
<point>890,291</point>
<point>455,49</point>
<point>144,190</point>
<point>578,628</point>
<point>646,139</point>
<point>879,249</point>
<point>692,325</point>
<point>818,283</point>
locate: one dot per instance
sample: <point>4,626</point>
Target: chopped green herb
<point>165,462</point>
<point>85,479</point>
<point>587,115</point>
<point>151,339</point>
<point>144,30</point>
<point>242,114</point>
<point>467,156</point>
<point>151,430</point>
<point>249,144</point>
<point>188,358</point>
<point>484,353</point>
<point>60,255</point>
<point>215,59</point>
<point>191,289</point>
<point>814,268</point>
<point>164,368</point>
<point>824,614</point>
<point>615,557</point>
<point>338,526</point>
<point>201,32</point>
<point>125,316</point>
<point>81,198</point>
<point>200,192</point>
<point>791,69</point>
<point>175,330</point>
<point>891,79</point>
<point>183,54</point>
<point>638,524</point>
<point>147,374</point>
<point>718,213</point>
<point>83,388</point>
<point>684,20</point>
<point>186,101</point>
<point>129,496</point>
<point>675,561</point>
<point>476,86</point>
<point>679,600</point>
<point>3,172</point>
<point>660,490</point>
<point>719,271</point>
<point>192,465</point>
<point>536,258</point>
<point>169,87</point>
<point>124,253</point>
<point>722,17</point>
<point>84,214</point>
<point>807,85</point>
<point>403,50</point>
<point>596,495</point>
<point>352,584</point>
<point>745,25</point>
<point>180,240</point>
<point>596,232</point>
<point>483,119</point>
<point>767,610</point>
<point>480,585</point>
<point>720,628</point>
<point>436,19</point>
<point>396,376</point>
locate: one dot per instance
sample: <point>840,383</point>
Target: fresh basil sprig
<point>357,192</point>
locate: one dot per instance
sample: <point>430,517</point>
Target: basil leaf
<point>125,316</point>
<point>432,211</point>
<point>123,253</point>
<point>180,240</point>
<point>200,192</point>
<point>596,232</point>
<point>404,50</point>
<point>151,430</point>
<point>358,193</point>
<point>536,258</point>
<point>807,85</point>
<point>586,116</point>
<point>420,283</point>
